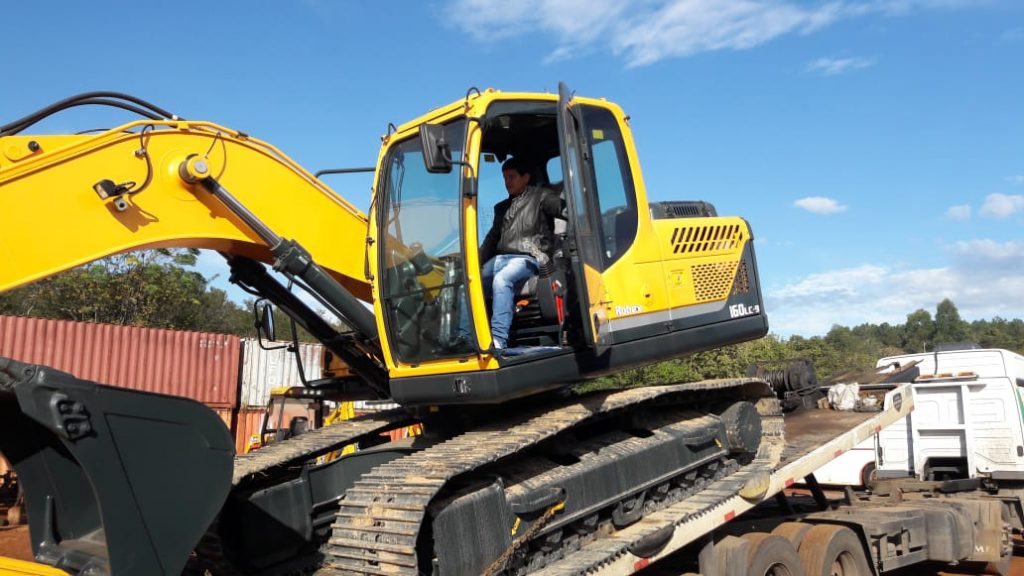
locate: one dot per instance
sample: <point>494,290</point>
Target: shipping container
<point>198,365</point>
<point>248,424</point>
<point>265,369</point>
<point>247,428</point>
<point>227,415</point>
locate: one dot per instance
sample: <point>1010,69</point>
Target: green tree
<point>949,327</point>
<point>891,336</point>
<point>220,314</point>
<point>919,331</point>
<point>153,288</point>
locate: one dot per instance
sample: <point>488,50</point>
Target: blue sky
<point>877,148</point>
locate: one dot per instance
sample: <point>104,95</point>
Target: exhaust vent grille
<point>706,239</point>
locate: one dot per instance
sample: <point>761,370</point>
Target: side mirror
<point>437,154</point>
<point>265,322</point>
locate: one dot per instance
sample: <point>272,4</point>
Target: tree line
<point>842,350</point>
<point>150,288</point>
<point>160,289</point>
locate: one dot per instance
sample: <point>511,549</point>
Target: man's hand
<point>545,265</point>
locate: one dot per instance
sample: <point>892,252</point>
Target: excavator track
<point>315,442</point>
<point>208,558</point>
<point>707,501</point>
<point>379,522</point>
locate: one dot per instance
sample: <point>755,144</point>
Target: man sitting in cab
<point>518,245</point>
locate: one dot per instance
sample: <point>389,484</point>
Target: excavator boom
<point>55,218</point>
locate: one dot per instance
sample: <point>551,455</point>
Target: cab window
<point>422,280</point>
<point>613,181</point>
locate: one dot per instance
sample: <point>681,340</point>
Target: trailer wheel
<point>793,531</point>
<point>829,550</point>
<point>771,555</point>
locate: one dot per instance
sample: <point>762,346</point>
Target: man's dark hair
<point>516,163</point>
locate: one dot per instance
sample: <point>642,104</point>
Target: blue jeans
<point>503,276</point>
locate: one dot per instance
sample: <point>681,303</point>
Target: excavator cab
<point>631,282</point>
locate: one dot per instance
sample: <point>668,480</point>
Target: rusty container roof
<point>198,365</point>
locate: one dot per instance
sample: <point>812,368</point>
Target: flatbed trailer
<point>720,541</point>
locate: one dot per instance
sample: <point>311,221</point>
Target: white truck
<point>967,426</point>
<point>968,421</point>
<point>856,467</point>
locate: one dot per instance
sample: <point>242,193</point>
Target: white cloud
<point>836,66</point>
<point>959,212</point>
<point>1002,205</point>
<point>646,31</point>
<point>685,27</point>
<point>990,251</point>
<point>820,205</point>
<point>1017,179</point>
<point>983,278</point>
<point>812,305</point>
<point>835,284</point>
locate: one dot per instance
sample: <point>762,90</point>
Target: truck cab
<point>969,420</point>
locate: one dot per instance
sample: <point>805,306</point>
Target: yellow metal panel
<point>677,262</point>
<point>701,256</point>
<point>12,567</point>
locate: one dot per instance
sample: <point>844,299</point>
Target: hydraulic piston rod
<point>290,256</point>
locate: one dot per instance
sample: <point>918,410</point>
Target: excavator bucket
<point>116,481</point>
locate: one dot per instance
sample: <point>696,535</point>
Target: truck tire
<point>793,531</point>
<point>772,555</point>
<point>868,475</point>
<point>829,550</point>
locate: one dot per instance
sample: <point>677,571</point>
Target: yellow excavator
<point>512,471</point>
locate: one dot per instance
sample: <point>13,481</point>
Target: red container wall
<point>197,365</point>
<point>248,426</point>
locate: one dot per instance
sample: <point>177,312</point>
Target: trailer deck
<point>812,438</point>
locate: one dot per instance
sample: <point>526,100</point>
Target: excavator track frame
<point>276,465</point>
<point>378,525</point>
<point>314,443</point>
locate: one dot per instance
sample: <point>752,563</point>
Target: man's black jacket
<point>524,225</point>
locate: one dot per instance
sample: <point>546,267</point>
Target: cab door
<point>584,223</point>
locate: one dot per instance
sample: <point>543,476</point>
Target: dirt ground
<point>14,543</point>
